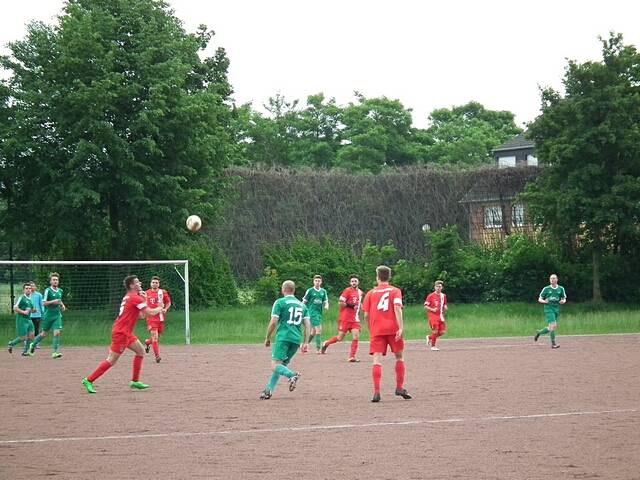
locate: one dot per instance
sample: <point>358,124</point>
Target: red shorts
<point>155,325</point>
<point>120,341</point>
<point>348,326</point>
<point>379,344</point>
<point>437,324</point>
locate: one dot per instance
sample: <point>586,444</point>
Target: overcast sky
<point>426,54</point>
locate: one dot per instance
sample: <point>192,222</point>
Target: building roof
<point>516,143</point>
<point>500,185</point>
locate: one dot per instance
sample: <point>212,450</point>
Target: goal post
<point>94,288</point>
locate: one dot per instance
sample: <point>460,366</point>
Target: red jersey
<point>435,300</point>
<point>130,308</point>
<point>379,304</point>
<point>154,298</point>
<point>351,296</point>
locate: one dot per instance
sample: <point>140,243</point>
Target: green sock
<point>553,337</point>
<point>56,342</point>
<point>15,341</point>
<point>318,339</point>
<point>284,371</point>
<point>311,337</point>
<point>37,340</point>
<point>271,385</point>
<point>543,331</point>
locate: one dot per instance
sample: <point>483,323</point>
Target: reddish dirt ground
<point>482,409</point>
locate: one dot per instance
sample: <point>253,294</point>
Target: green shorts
<point>284,351</point>
<point>316,319</point>
<point>551,316</point>
<point>24,326</point>
<point>51,322</point>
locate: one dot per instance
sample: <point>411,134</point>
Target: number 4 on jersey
<point>383,304</point>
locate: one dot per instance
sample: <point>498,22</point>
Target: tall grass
<point>248,324</point>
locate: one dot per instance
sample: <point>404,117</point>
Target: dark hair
<point>383,273</point>
<point>351,277</point>
<point>128,281</point>
<point>27,284</point>
<point>155,277</point>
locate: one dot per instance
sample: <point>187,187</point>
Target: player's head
<point>131,282</point>
<point>155,282</point>
<point>354,281</point>
<point>54,279</point>
<point>26,288</point>
<point>317,281</point>
<point>383,273</point>
<point>288,287</point>
<point>437,286</point>
<point>553,279</point>
<point>34,287</point>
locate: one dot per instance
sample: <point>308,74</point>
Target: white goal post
<point>96,286</point>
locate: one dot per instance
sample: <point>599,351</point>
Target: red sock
<point>354,348</point>
<point>399,373</point>
<point>137,366</point>
<point>156,348</point>
<point>376,373</point>
<point>331,341</point>
<point>103,366</point>
<point>147,341</point>
<point>433,337</point>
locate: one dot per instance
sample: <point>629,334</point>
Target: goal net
<point>93,290</point>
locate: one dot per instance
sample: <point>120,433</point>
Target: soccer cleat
<point>324,347</point>
<point>32,349</point>
<point>147,347</point>
<point>88,385</point>
<point>435,349</point>
<point>555,346</point>
<point>56,355</point>
<point>293,381</point>
<point>25,354</point>
<point>352,360</point>
<point>402,392</point>
<point>536,337</point>
<point>10,348</point>
<point>376,398</point>
<point>138,385</point>
<point>158,359</point>
<point>265,394</point>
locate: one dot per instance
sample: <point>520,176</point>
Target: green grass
<point>248,324</point>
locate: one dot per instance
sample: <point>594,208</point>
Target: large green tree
<point>117,129</point>
<point>589,141</point>
<point>465,134</point>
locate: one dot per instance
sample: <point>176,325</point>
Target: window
<point>504,162</point>
<point>517,215</point>
<point>492,217</point>
<point>532,161</point>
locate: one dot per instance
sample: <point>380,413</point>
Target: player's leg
<point>155,337</point>
<point>45,326</point>
<point>28,340</point>
<point>318,337</point>
<point>137,348</point>
<point>552,333</point>
<point>332,340</point>
<point>102,367</point>
<point>397,346</point>
<point>377,348</point>
<point>355,338</point>
<point>57,330</point>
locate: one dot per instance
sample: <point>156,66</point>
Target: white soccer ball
<point>194,222</point>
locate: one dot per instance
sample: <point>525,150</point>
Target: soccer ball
<point>194,223</point>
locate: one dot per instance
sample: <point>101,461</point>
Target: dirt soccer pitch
<point>482,409</point>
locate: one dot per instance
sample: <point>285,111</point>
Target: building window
<point>492,217</point>
<point>517,215</point>
<point>504,162</point>
<point>532,161</point>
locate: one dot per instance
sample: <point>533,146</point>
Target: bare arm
<point>270,329</point>
<point>21,312</point>
<point>167,306</point>
<point>307,330</point>
<point>400,319</point>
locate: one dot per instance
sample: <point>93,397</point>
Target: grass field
<point>247,324</point>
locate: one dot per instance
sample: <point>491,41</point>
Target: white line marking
<point>315,427</point>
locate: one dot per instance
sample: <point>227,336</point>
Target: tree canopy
<point>589,140</point>
<point>115,129</point>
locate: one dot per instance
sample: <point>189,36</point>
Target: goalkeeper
<point>348,317</point>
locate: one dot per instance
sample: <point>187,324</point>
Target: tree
<point>466,134</point>
<point>589,141</point>
<point>118,130</point>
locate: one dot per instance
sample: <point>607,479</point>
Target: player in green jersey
<point>52,318</point>
<point>551,296</point>
<point>316,299</point>
<point>291,319</point>
<point>24,326</point>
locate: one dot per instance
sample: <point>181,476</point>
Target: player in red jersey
<point>382,309</point>
<point>436,304</point>
<point>155,323</point>
<point>133,306</point>
<point>348,318</point>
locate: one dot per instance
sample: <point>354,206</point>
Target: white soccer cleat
<point>435,349</point>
